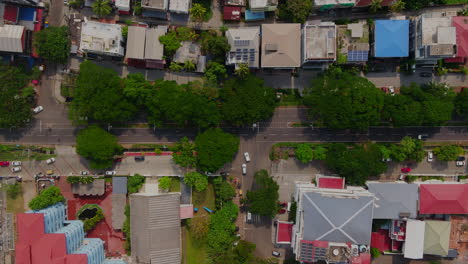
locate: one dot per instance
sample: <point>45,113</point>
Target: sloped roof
<point>97,187</point>
<point>391,38</point>
<point>393,199</point>
<point>11,38</point>
<point>436,237</point>
<point>414,243</point>
<point>461,25</point>
<point>245,45</point>
<point>153,48</point>
<point>30,227</point>
<point>337,219</point>
<point>281,45</point>
<point>136,42</point>
<point>119,185</point>
<point>443,199</point>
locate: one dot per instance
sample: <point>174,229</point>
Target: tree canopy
<point>99,96</point>
<point>295,11</point>
<point>448,152</point>
<point>95,144</point>
<point>165,182</point>
<point>461,103</point>
<point>215,148</point>
<point>102,7</point>
<point>196,180</point>
<point>342,100</point>
<point>215,45</point>
<point>134,183</point>
<point>53,44</point>
<point>46,198</point>
<point>264,199</point>
<point>220,235</point>
<point>183,154</point>
<point>215,72</point>
<point>418,4</point>
<point>408,149</point>
<point>173,38</point>
<point>304,153</point>
<point>246,101</point>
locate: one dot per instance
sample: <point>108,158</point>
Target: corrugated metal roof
<point>11,38</point>
<point>414,239</point>
<point>97,187</point>
<point>391,38</point>
<point>136,42</point>
<point>153,48</point>
<point>393,199</point>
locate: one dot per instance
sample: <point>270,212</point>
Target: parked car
<point>118,160</point>
<point>430,156</point>
<point>244,169</point>
<point>402,177</point>
<point>247,156</point>
<point>405,170</point>
<point>110,173</point>
<point>16,163</point>
<point>249,216</point>
<point>83,172</point>
<point>38,109</point>
<point>426,74</point>
<point>50,161</point>
<point>283,204</point>
<point>281,211</point>
<point>460,162</point>
<point>4,163</point>
<point>139,158</point>
<point>16,169</point>
<point>276,254</point>
<point>423,136</point>
<point>391,90</point>
<point>50,172</point>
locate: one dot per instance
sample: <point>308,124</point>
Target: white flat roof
<point>10,38</point>
<point>179,6</point>
<point>101,38</point>
<point>122,5</point>
<point>414,244</point>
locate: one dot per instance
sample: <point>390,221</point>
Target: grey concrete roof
<point>97,187</point>
<point>155,4</point>
<point>393,199</point>
<point>136,42</point>
<point>155,228</point>
<point>119,201</point>
<point>119,185</point>
<point>337,219</point>
<point>281,45</point>
<point>153,48</point>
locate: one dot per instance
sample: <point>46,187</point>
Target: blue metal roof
<point>119,185</point>
<point>249,15</point>
<point>27,14</point>
<point>391,38</point>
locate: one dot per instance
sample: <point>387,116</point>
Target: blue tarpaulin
<point>249,15</point>
<point>27,13</point>
<point>391,38</point>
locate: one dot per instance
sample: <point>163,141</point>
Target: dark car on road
<point>140,158</point>
<point>425,74</point>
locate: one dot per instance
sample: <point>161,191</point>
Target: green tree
<point>137,89</point>
<point>264,200</point>
<point>197,12</point>
<point>196,180</point>
<point>304,153</point>
<point>53,44</point>
<point>215,72</point>
<point>375,253</point>
<point>342,100</point>
<point>189,65</point>
<point>220,235</point>
<point>244,251</point>
<point>408,149</point>
<point>448,152</point>
<point>461,104</point>
<point>95,144</point>
<point>223,28</point>
<point>15,110</point>
<point>246,101</point>
<point>320,153</point>
<point>402,111</point>
<point>134,183</point>
<point>46,198</point>
<point>183,154</point>
<point>199,226</point>
<point>171,43</point>
<point>224,191</point>
<point>98,96</point>
<point>102,8</point>
<point>125,31</point>
<point>295,11</point>
<point>176,67</point>
<point>397,6</point>
<point>165,182</point>
<point>216,45</point>
<point>375,6</point>
<point>215,148</point>
<point>13,190</point>
<point>242,70</point>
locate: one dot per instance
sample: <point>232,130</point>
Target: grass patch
<point>290,97</point>
<point>24,153</point>
<point>207,5</point>
<point>455,2</point>
<point>342,58</point>
<point>175,184</point>
<point>205,198</point>
<point>16,205</point>
<point>195,251</point>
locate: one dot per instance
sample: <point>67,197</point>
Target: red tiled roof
<point>232,13</point>
<point>11,13</point>
<point>363,258</point>
<point>30,227</point>
<point>381,240</point>
<point>284,232</point>
<point>362,3</point>
<point>330,182</point>
<point>443,199</point>
<point>461,25</point>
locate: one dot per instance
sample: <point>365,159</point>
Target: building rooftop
<point>97,187</point>
<point>11,38</point>
<point>119,185</point>
<point>394,200</point>
<point>101,38</point>
<point>179,6</point>
<point>414,243</point>
<point>334,2</point>
<point>245,45</point>
<point>155,4</point>
<point>443,198</point>
<point>284,232</point>
<point>319,41</point>
<point>155,227</point>
<point>234,2</point>
<point>262,3</point>
<point>136,42</point>
<point>436,29</point>
<point>391,38</point>
<point>437,237</point>
<point>143,43</point>
<point>232,13</point>
<point>330,182</point>
<point>153,48</point>
<point>281,45</point>
<point>461,25</point>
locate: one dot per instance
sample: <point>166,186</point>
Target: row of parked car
<point>17,164</point>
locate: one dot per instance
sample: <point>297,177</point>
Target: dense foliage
<point>80,179</point>
<point>134,183</point>
<point>304,153</point>
<point>448,152</point>
<point>99,96</point>
<point>264,199</point>
<point>13,190</point>
<point>215,148</point>
<point>53,44</point>
<point>199,226</point>
<point>220,235</point>
<point>196,180</point>
<point>126,230</point>
<point>461,103</point>
<point>215,72</point>
<point>246,101</point>
<point>165,182</point>
<point>98,146</point>
<point>46,198</point>
<point>224,191</point>
<point>183,153</point>
<point>342,100</point>
<point>212,43</point>
<point>102,7</point>
<point>418,4</point>
<point>173,38</point>
<point>408,149</point>
<point>295,11</point>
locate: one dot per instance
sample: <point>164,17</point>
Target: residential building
<point>329,219</point>
<point>101,40</point>
<point>155,8</point>
<point>191,51</point>
<point>232,13</point>
<point>391,38</point>
<point>445,198</point>
<point>254,16</point>
<point>353,43</point>
<point>119,201</point>
<point>283,232</point>
<point>433,37</point>
<point>414,243</point>
<point>330,182</point>
<point>394,200</point>
<point>155,228</point>
<point>123,6</point>
<point>12,38</point>
<point>324,5</point>
<point>281,46</point>
<point>45,236</point>
<point>245,45</point>
<point>143,47</point>
<point>35,3</point>
<point>234,2</point>
<point>95,188</point>
<point>436,237</point>
<point>180,6</point>
<point>263,5</point>
<point>319,44</point>
<point>461,25</point>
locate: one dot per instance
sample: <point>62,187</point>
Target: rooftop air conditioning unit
<point>271,47</point>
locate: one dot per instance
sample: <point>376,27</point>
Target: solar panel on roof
<point>358,55</point>
<point>241,42</point>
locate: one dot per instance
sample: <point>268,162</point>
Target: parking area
<point>150,166</point>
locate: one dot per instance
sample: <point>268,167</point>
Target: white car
<point>244,169</point>
<point>110,173</point>
<point>16,169</point>
<point>38,109</point>
<point>50,161</point>
<point>430,156</point>
<point>83,172</point>
<point>392,90</point>
<point>247,156</point>
<point>460,161</point>
<point>16,163</point>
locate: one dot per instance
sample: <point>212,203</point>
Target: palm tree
<point>397,6</point>
<point>198,12</point>
<point>175,67</point>
<point>102,8</point>
<point>189,65</point>
<point>193,35</point>
<point>375,5</point>
<point>242,70</point>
